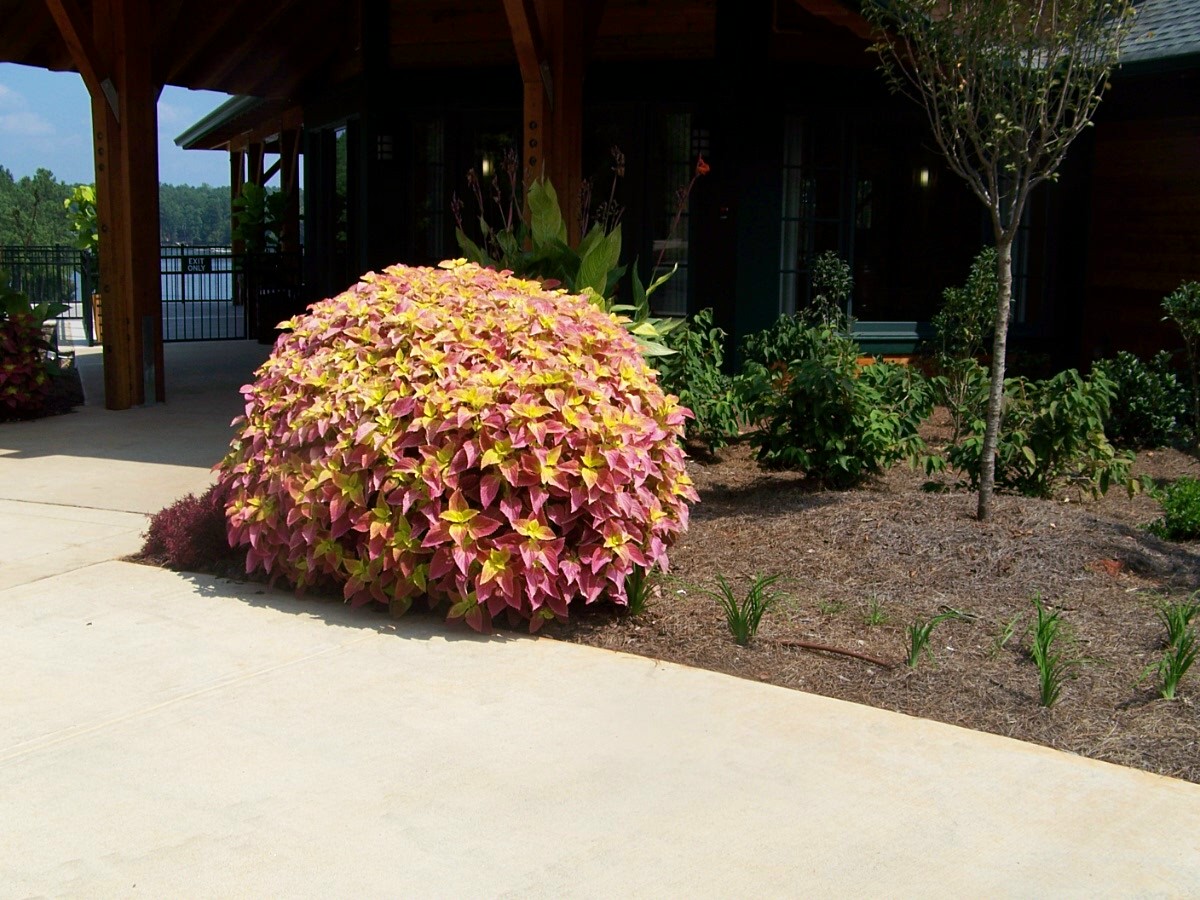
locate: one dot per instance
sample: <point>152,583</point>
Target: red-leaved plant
<point>24,381</point>
<point>463,435</point>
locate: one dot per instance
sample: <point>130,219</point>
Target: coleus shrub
<point>24,381</point>
<point>457,434</point>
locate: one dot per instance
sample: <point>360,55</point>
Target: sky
<point>46,122</point>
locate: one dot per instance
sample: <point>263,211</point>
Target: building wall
<point>1145,213</point>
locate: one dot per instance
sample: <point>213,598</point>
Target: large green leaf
<point>470,249</point>
<point>545,215</point>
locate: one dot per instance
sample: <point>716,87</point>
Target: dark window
<point>869,190</point>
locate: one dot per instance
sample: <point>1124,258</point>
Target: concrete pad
<point>178,736</point>
<point>136,460</point>
<point>38,540</point>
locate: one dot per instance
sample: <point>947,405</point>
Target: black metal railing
<point>208,292</point>
<point>54,275</point>
<point>200,299</point>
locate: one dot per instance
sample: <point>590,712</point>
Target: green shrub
<point>816,410</point>
<point>832,285</point>
<point>1052,435</point>
<point>962,328</point>
<point>961,386</point>
<point>694,374</point>
<point>538,249</point>
<point>462,436</point>
<point>1149,406</point>
<point>967,318</point>
<point>1181,510</point>
<point>1182,306</point>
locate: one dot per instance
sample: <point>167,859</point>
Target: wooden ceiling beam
<point>593,15</point>
<point>527,40</point>
<point>838,14</point>
<point>270,45</point>
<point>197,37</point>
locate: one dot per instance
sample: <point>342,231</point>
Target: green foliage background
<point>32,212</point>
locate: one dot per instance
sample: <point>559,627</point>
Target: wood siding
<point>1145,231</point>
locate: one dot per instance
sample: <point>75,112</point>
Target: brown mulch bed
<point>896,553</point>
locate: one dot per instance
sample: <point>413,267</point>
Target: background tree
<point>194,215</point>
<point>1007,86</point>
<point>31,210</point>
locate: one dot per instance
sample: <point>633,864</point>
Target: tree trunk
<point>995,410</point>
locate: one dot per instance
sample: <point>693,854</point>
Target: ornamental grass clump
<point>460,435</point>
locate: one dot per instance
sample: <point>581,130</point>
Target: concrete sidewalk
<point>169,735</point>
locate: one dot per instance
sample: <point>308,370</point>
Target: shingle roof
<point>1163,29</point>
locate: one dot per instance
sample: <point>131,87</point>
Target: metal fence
<point>208,292</point>
<point>54,275</point>
<point>200,300</point>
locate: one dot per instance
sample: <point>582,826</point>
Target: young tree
<point>1007,86</point>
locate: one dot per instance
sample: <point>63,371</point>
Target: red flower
<point>702,168</point>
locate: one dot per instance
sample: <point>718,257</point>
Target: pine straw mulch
<point>896,552</point>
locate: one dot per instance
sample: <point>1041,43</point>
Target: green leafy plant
<point>1182,645</point>
<point>919,633</point>
<point>258,217</point>
<point>961,329</point>
<point>1180,501</point>
<point>744,617</point>
<point>1053,436</point>
<point>81,213</point>
<point>876,614</point>
<point>961,386</point>
<point>1149,406</point>
<point>509,452</point>
<point>1054,661</point>
<point>539,248</point>
<point>815,409</point>
<point>831,607</point>
<point>1004,635</point>
<point>832,285</point>
<point>694,373</point>
<point>637,590</point>
<point>964,323</point>
<point>1182,306</point>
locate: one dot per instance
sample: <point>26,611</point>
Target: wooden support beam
<point>563,30</point>
<point>237,177</point>
<point>76,33</point>
<point>527,37</point>
<point>548,36</point>
<point>289,183</point>
<point>254,162</point>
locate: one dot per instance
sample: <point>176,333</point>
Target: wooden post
<point>141,236</point>
<point>237,177</point>
<point>289,183</point>
<point>112,52</point>
<point>548,36</point>
<point>564,39</point>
